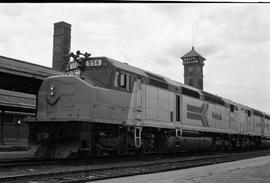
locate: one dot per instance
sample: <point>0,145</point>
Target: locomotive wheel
<point>230,146</point>
<point>147,147</point>
<point>43,151</point>
<point>214,146</point>
<point>122,149</point>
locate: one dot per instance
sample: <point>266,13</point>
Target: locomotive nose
<point>64,98</point>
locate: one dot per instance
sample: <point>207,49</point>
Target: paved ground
<point>256,170</point>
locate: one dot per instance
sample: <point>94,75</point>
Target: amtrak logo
<point>198,113</point>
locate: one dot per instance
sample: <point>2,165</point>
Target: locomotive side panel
<point>163,105</point>
<point>267,127</point>
<point>194,112</point>
<point>206,116</point>
<point>250,123</point>
<point>225,117</point>
<point>106,105</point>
<point>151,103</point>
<point>219,115</point>
<point>203,116</point>
<point>242,118</point>
<point>258,125</point>
<point>159,107</point>
<point>234,123</point>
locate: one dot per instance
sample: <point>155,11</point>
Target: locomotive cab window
<point>248,112</point>
<point>122,80</point>
<point>116,80</point>
<point>232,108</point>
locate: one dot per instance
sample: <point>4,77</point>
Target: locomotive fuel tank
<point>176,144</point>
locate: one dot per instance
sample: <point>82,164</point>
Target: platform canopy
<point>16,101</point>
<point>21,76</point>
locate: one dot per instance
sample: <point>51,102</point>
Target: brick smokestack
<point>61,45</point>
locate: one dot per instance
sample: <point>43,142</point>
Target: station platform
<point>14,151</point>
<point>13,147</point>
<point>255,170</point>
<point>13,155</point>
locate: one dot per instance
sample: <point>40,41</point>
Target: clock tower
<point>193,69</point>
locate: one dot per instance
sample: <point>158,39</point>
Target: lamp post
<point>18,130</point>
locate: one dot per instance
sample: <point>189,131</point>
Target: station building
<point>19,84</point>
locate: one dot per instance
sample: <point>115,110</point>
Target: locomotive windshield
<point>94,70</point>
<point>99,72</point>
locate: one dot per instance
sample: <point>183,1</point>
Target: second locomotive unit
<point>102,106</point>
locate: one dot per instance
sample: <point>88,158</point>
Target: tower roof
<point>192,53</point>
<point>62,23</point>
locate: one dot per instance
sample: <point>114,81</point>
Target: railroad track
<point>23,162</point>
<point>31,162</point>
<point>114,170</point>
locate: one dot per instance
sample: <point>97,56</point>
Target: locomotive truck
<point>102,107</point>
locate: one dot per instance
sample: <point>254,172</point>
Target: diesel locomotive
<point>102,107</point>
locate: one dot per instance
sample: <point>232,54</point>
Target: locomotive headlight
<point>52,96</point>
<point>52,90</point>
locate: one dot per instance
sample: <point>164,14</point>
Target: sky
<point>233,37</point>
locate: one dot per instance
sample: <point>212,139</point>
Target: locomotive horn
<point>78,53</point>
<point>87,55</point>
